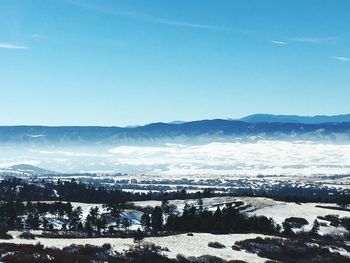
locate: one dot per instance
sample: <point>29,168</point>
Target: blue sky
<point>120,62</point>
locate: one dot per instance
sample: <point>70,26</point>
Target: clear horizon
<point>119,63</point>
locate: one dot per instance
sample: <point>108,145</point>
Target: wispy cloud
<point>144,17</point>
<point>180,23</point>
<point>313,40</point>
<point>305,39</point>
<point>343,59</point>
<point>12,46</point>
<point>277,42</point>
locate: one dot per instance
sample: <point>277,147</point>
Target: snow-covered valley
<point>215,159</point>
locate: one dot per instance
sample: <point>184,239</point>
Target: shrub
<point>297,221</point>
<point>26,235</point>
<point>209,259</point>
<point>3,232</point>
<point>294,250</point>
<point>216,245</point>
<point>106,246</point>
<point>235,247</point>
<point>202,259</point>
<point>5,236</point>
<point>182,259</point>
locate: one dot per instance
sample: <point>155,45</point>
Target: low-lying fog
<point>262,157</point>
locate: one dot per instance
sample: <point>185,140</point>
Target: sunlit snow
<point>226,158</point>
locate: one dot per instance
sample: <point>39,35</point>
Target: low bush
<point>216,245</point>
<point>26,235</point>
<point>294,250</point>
<point>201,259</point>
<point>235,247</point>
<point>5,235</point>
<point>297,221</point>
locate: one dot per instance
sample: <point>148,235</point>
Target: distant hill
<point>195,131</point>
<point>296,119</point>
<point>26,169</point>
<point>29,168</point>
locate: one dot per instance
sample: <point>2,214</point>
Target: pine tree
<point>287,229</point>
<point>157,219</point>
<point>32,221</point>
<point>167,207</point>
<point>138,237</point>
<point>75,218</point>
<point>91,220</point>
<point>45,223</point>
<point>217,219</point>
<point>315,228</point>
<point>101,223</point>
<point>126,223</point>
<point>146,221</point>
<point>115,210</point>
<point>200,206</point>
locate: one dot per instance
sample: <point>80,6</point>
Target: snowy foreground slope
<point>277,210</point>
<point>196,245</point>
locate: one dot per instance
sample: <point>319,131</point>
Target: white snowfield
<point>213,160</point>
<point>196,245</point>
<point>279,211</point>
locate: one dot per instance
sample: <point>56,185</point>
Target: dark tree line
<point>228,219</point>
<point>72,191</point>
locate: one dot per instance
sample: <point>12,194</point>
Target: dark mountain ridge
<point>209,129</point>
<point>318,119</point>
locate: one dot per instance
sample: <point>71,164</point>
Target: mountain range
<point>254,126</point>
<point>296,119</point>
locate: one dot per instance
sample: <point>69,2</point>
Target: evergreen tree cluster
<point>20,215</point>
<point>73,191</point>
<point>198,219</point>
